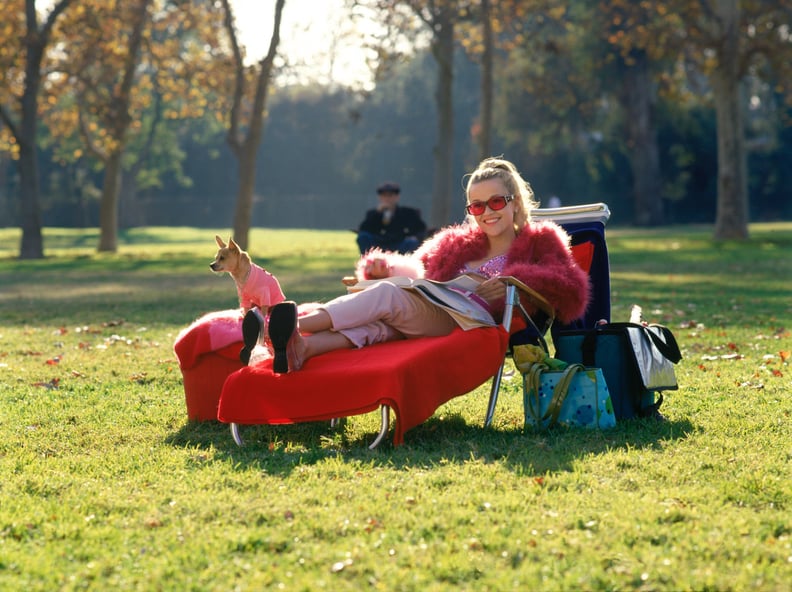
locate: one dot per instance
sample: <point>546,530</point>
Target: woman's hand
<point>492,290</point>
<point>377,268</point>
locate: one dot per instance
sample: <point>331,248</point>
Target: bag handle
<point>669,348</point>
<point>532,378</point>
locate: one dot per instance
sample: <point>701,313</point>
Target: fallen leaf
<point>139,377</point>
<point>52,384</point>
<point>474,544</point>
<point>87,329</point>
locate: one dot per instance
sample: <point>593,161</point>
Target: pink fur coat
<point>539,257</point>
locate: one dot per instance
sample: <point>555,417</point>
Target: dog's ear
<point>232,245</point>
<point>220,242</point>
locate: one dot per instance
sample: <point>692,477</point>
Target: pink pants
<point>385,312</point>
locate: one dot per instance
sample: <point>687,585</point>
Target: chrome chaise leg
<point>385,414</point>
<point>235,434</point>
<point>493,400</point>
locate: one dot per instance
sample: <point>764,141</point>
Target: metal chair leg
<point>493,400</point>
<point>512,300</point>
<point>385,413</point>
<point>235,434</point>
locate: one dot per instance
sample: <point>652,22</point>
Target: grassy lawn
<point>105,485</point>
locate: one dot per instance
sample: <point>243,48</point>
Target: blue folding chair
<point>586,226</point>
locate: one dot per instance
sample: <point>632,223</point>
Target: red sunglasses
<point>495,203</point>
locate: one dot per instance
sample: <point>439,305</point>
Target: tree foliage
<point>127,70</point>
<point>24,43</point>
<point>439,18</point>
<point>247,115</point>
<point>728,42</point>
<point>621,101</point>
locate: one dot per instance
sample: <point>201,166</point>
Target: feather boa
<point>540,257</point>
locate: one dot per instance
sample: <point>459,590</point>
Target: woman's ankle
<point>323,342</point>
<point>315,321</point>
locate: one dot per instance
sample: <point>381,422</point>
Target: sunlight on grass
<point>107,486</point>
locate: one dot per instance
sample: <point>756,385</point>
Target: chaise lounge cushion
<point>208,351</point>
<point>430,371</point>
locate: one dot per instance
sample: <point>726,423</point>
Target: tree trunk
<point>119,123</point>
<point>485,117</point>
<point>245,146</point>
<point>731,221</point>
<point>644,154</point>
<point>443,51</point>
<point>32,245</point>
<point>108,207</point>
<point>35,41</point>
<point>243,211</point>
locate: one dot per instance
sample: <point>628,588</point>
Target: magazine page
<point>399,280</point>
<point>467,313</point>
<point>467,281</point>
<point>451,295</point>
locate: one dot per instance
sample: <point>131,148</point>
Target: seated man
<point>389,226</point>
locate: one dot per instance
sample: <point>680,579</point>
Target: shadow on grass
<point>445,440</point>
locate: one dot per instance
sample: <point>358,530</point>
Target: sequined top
<point>490,268</point>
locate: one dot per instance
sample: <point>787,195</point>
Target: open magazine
<point>452,295</point>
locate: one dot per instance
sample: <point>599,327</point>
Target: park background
<point>594,101</point>
<point>107,485</point>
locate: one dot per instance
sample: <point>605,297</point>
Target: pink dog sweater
<point>261,289</point>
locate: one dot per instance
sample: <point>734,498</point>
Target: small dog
<point>256,287</point>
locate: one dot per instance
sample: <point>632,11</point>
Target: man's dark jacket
<point>405,222</point>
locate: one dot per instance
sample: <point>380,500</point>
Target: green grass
<point>104,484</point>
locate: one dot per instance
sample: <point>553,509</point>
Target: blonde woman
<point>498,238</point>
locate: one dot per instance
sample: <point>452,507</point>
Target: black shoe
<point>252,328</point>
<point>282,325</point>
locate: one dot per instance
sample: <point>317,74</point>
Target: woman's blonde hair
<point>498,168</point>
